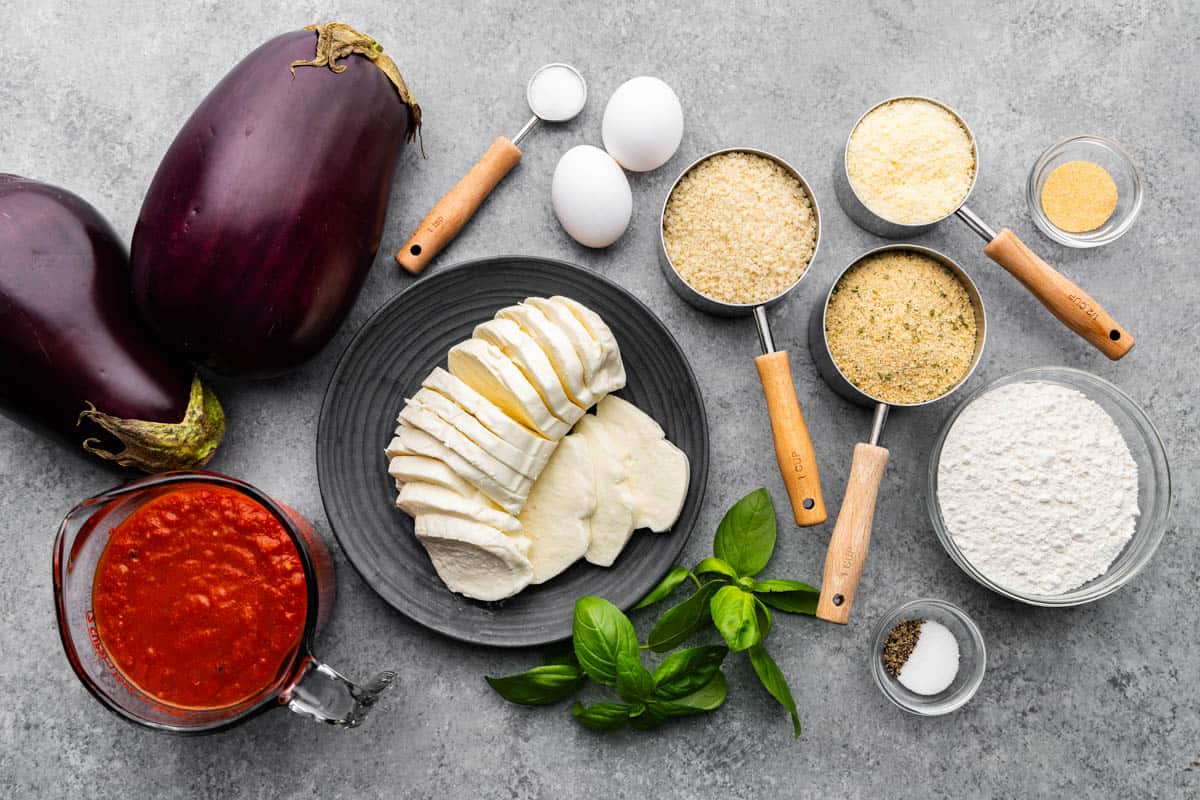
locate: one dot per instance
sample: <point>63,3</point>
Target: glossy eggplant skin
<point>70,337</point>
<point>265,215</point>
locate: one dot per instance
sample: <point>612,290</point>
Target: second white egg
<point>591,196</point>
<point>643,124</point>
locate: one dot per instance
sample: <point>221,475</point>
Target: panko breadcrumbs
<point>901,327</point>
<point>740,228</point>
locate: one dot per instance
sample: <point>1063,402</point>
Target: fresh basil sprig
<point>727,596</point>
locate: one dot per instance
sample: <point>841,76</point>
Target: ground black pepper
<point>900,643</point>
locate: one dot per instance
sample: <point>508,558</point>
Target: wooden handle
<point>454,210</point>
<point>793,448</point>
<point>1072,305</point>
<point>851,538</point>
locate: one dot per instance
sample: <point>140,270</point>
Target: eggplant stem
<point>162,446</point>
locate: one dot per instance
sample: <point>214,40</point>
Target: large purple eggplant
<point>266,212</point>
<point>75,359</point>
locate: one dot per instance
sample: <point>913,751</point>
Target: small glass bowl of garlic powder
<point>1084,192</point>
<point>928,657</point>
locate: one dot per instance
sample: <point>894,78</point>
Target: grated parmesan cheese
<point>910,161</point>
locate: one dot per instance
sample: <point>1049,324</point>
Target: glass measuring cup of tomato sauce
<point>188,602</point>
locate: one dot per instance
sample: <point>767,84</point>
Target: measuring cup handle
<point>323,694</point>
<point>458,205</point>
<point>847,553</point>
<point>793,447</point>
<point>1074,307</point>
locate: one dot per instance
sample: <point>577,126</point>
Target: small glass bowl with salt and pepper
<point>928,657</point>
<point>1084,192</point>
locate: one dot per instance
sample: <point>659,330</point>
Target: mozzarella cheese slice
<point>587,348</point>
<point>527,462</point>
<point>558,350</point>
<point>555,517</point>
<point>612,524</point>
<point>486,412</point>
<point>419,498</point>
<point>417,417</point>
<point>473,559</point>
<point>657,470</point>
<point>422,469</point>
<point>488,371</point>
<point>523,351</point>
<point>611,374</point>
<point>413,442</point>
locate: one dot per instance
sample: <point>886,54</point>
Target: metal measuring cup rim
<point>963,277</point>
<point>737,308</point>
<point>916,227</point>
<point>544,68</point>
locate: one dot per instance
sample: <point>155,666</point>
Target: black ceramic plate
<point>386,362</point>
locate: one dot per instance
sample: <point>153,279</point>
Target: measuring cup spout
<point>323,694</point>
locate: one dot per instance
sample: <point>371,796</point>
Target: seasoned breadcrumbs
<point>901,327</point>
<point>740,228</point>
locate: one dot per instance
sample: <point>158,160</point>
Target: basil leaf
<point>793,597</point>
<point>539,686</point>
<point>634,682</point>
<point>746,536</point>
<point>707,698</point>
<point>676,576</point>
<point>649,716</point>
<point>602,633</point>
<point>773,681</point>
<point>682,620</point>
<point>601,716</point>
<point>715,566</point>
<point>561,653</point>
<point>764,619</point>
<point>734,612</point>
<point>687,671</point>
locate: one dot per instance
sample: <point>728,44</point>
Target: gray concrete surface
<point>1098,701</point>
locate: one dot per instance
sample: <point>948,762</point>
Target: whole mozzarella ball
<point>643,124</point>
<point>591,196</point>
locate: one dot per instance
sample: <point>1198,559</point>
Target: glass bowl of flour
<point>1049,486</point>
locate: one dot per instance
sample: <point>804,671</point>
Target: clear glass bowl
<point>972,658</point>
<point>1107,154</point>
<point>1154,486</point>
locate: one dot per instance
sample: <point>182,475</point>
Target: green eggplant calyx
<point>337,40</point>
<point>162,446</point>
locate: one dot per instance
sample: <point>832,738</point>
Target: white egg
<point>591,196</point>
<point>643,124</point>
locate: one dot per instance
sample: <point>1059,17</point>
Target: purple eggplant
<point>266,213</point>
<point>75,358</point>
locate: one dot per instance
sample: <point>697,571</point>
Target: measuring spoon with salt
<point>556,93</point>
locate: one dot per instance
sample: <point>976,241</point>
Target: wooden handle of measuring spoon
<point>1072,305</point>
<point>457,207</point>
<point>793,447</point>
<point>847,553</point>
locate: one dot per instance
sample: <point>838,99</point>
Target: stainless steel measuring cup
<point>1073,307</point>
<point>847,553</point>
<point>793,447</point>
<point>458,205</point>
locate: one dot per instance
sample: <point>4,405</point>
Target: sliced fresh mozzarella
<point>487,412</point>
<point>413,442</point>
<point>473,559</point>
<point>523,351</point>
<point>586,347</point>
<point>612,524</point>
<point>657,470</point>
<point>611,375</point>
<point>422,469</point>
<point>415,416</point>
<point>527,462</point>
<point>555,517</point>
<point>558,349</point>
<point>488,371</point>
<point>419,498</point>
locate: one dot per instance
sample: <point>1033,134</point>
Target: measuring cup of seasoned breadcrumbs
<point>740,228</point>
<point>903,325</point>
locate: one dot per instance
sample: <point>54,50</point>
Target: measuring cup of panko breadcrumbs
<point>909,163</point>
<point>903,325</point>
<point>740,228</point>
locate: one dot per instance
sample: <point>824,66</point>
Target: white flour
<point>1037,487</point>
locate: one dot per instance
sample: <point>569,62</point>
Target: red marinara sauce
<point>200,597</point>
